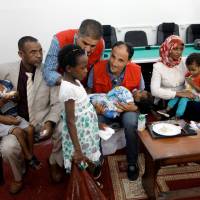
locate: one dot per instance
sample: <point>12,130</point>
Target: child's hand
<point>10,95</point>
<point>189,80</point>
<point>78,157</point>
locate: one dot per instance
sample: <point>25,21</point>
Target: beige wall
<point>43,18</point>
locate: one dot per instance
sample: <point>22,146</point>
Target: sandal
<point>34,163</point>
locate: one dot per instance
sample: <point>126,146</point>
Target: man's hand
<point>58,82</point>
<point>102,126</point>
<point>3,101</point>
<point>10,120</point>
<point>47,130</point>
<point>128,107</point>
<point>10,95</point>
<point>100,109</point>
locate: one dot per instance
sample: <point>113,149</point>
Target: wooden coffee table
<point>167,151</point>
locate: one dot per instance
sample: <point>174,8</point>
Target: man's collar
<point>109,71</point>
<point>30,69</point>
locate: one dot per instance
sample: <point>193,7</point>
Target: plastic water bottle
<point>141,122</point>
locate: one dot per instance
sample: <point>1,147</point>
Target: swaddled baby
<point>120,94</point>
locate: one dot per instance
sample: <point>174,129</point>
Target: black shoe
<point>36,137</point>
<point>101,160</point>
<point>97,172</point>
<point>133,172</point>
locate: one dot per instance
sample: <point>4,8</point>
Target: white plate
<point>166,129</point>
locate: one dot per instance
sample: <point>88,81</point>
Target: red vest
<point>67,37</point>
<point>102,82</point>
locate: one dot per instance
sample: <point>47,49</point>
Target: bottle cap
<point>142,116</point>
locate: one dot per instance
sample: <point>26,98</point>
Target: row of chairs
<point>139,38</point>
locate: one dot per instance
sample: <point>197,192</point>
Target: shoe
<point>56,173</point>
<point>34,163</point>
<point>15,187</point>
<point>133,172</point>
<point>101,160</point>
<point>36,138</point>
<point>97,172</point>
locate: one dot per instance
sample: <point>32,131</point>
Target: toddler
<point>192,83</point>
<point>16,125</point>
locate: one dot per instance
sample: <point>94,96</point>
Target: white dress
<point>86,124</point>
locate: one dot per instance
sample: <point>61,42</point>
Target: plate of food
<point>166,129</point>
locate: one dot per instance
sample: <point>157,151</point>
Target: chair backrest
<point>109,36</point>
<point>165,30</point>
<point>192,33</point>
<point>136,38</point>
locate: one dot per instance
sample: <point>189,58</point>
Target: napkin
<point>106,133</point>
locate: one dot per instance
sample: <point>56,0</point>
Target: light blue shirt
<point>50,73</point>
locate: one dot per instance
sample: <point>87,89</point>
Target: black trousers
<point>192,111</point>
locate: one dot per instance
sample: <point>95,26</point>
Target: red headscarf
<point>165,49</point>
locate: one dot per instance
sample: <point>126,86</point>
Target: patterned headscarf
<point>165,49</point>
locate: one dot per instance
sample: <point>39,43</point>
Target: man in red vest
<point>116,71</point>
<point>88,37</point>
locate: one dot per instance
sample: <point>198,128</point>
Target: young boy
<point>142,100</point>
<point>15,124</point>
<point>192,83</point>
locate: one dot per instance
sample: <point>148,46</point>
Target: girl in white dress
<point>80,138</point>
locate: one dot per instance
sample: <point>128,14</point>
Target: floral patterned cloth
<point>86,124</point>
<point>165,49</point>
<point>117,94</point>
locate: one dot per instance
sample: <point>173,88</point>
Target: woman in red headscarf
<point>168,77</point>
